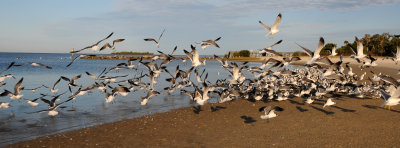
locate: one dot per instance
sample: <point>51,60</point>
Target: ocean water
<point>18,123</point>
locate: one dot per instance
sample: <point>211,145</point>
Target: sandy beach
<point>352,122</point>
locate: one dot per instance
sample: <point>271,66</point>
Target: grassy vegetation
<point>133,53</point>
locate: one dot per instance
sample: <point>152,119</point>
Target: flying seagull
<point>94,47</point>
<point>157,41</point>
<point>314,55</point>
<point>107,45</point>
<point>269,50</point>
<point>274,29</point>
<point>205,44</point>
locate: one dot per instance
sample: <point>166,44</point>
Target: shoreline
<point>238,124</point>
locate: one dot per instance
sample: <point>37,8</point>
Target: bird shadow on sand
<point>301,109</point>
<point>216,108</point>
<point>248,119</point>
<point>322,110</point>
<point>295,102</point>
<point>377,107</point>
<point>343,109</point>
<point>370,106</point>
<point>197,109</point>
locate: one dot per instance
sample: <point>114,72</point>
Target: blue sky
<point>56,26</point>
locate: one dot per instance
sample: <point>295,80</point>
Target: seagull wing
<point>277,21</point>
<point>12,63</point>
<point>103,39</point>
<point>265,26</point>
<point>45,66</point>
<point>310,53</point>
<point>107,45</point>
<point>385,95</point>
<point>16,87</point>
<point>161,35</point>
<point>360,47</point>
<point>59,79</point>
<point>117,41</point>
<point>320,46</point>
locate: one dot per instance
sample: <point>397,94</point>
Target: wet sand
<point>352,122</point>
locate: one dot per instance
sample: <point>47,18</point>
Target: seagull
<point>332,51</point>
<point>314,55</point>
<point>33,102</point>
<point>2,78</point>
<point>194,57</point>
<point>269,113</point>
<point>52,105</point>
<point>53,89</point>
<point>109,96</point>
<point>35,64</point>
<point>329,102</point>
<point>391,99</point>
<point>396,59</point>
<point>359,51</point>
<point>107,45</point>
<point>94,47</point>
<point>157,41</point>
<point>309,100</point>
<point>4,105</point>
<point>205,44</point>
<point>269,50</point>
<point>149,95</point>
<point>73,59</point>
<point>274,29</point>
<point>17,90</point>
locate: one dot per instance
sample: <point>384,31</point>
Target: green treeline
<point>383,44</point>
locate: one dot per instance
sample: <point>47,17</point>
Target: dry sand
<point>352,122</point>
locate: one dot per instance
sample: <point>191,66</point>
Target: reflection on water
<point>18,124</point>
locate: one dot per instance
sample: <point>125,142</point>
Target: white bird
<point>274,29</point>
<point>205,44</point>
<point>329,102</point>
<point>359,52</point>
<point>151,93</point>
<point>107,45</point>
<point>2,78</point>
<point>94,47</point>
<point>157,41</point>
<point>391,99</point>
<point>4,105</point>
<point>309,100</point>
<point>269,113</point>
<point>194,57</point>
<point>314,55</point>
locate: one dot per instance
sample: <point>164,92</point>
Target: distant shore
<point>132,53</point>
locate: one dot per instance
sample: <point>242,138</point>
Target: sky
<point>57,26</point>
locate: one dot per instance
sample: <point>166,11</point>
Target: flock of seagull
<point>320,79</point>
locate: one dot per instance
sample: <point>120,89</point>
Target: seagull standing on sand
<point>391,99</point>
<point>274,29</point>
<point>157,41</point>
